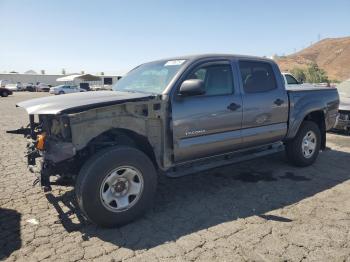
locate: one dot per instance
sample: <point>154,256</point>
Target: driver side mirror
<point>192,87</point>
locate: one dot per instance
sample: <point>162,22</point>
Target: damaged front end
<point>49,148</point>
<point>63,132</point>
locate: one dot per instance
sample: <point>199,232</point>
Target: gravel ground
<point>261,210</point>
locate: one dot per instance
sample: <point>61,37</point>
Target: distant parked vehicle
<point>15,87</point>
<point>4,92</point>
<point>19,86</point>
<point>12,87</point>
<point>100,87</point>
<point>65,89</point>
<point>41,87</point>
<point>3,83</point>
<point>30,87</point>
<point>291,82</point>
<point>343,120</point>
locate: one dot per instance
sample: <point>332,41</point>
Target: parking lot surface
<point>261,210</point>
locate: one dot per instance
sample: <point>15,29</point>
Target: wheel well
<point>318,118</point>
<point>121,136</point>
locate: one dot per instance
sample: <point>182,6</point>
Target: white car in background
<point>291,82</point>
<point>20,86</point>
<point>65,89</point>
<point>101,87</point>
<point>3,83</point>
<point>11,87</point>
<point>41,87</point>
<point>15,87</point>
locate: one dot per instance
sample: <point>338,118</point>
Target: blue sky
<point>114,36</point>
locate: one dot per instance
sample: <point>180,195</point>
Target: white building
<point>13,78</point>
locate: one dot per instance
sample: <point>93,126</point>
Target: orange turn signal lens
<point>40,141</point>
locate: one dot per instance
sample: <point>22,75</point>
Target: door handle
<point>233,106</point>
<point>278,102</point>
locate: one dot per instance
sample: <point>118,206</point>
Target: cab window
<point>217,78</point>
<point>257,77</point>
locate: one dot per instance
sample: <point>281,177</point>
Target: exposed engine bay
<point>59,144</point>
<point>49,143</point>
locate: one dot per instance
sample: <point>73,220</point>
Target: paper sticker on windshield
<point>174,62</point>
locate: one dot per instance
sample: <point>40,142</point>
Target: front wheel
<point>4,94</point>
<point>116,186</point>
<point>303,149</point>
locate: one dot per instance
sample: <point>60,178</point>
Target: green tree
<point>299,74</point>
<point>314,74</point>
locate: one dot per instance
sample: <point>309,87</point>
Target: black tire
<point>61,92</point>
<point>96,169</point>
<point>294,149</point>
<point>4,94</point>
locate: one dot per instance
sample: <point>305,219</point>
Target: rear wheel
<point>304,148</point>
<point>4,94</point>
<point>116,186</point>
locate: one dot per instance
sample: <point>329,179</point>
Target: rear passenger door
<point>265,103</point>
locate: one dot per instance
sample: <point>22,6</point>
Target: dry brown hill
<point>330,54</point>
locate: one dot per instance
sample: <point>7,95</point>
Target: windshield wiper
<point>136,91</point>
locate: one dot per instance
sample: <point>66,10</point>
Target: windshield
<point>344,88</point>
<point>149,78</point>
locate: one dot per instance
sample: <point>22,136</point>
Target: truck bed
<point>309,88</point>
<point>310,99</point>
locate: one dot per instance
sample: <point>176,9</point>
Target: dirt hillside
<point>330,54</point>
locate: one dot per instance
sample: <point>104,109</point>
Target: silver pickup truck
<point>173,117</point>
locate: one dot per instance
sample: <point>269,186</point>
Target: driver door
<point>209,124</point>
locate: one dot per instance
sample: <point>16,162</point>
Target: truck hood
<point>70,103</point>
<point>344,103</point>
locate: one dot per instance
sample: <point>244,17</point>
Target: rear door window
<point>257,77</point>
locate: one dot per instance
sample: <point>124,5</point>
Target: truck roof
<point>223,56</point>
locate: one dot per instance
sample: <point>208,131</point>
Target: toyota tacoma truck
<point>172,117</point>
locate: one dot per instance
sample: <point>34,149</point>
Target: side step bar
<point>207,163</point>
